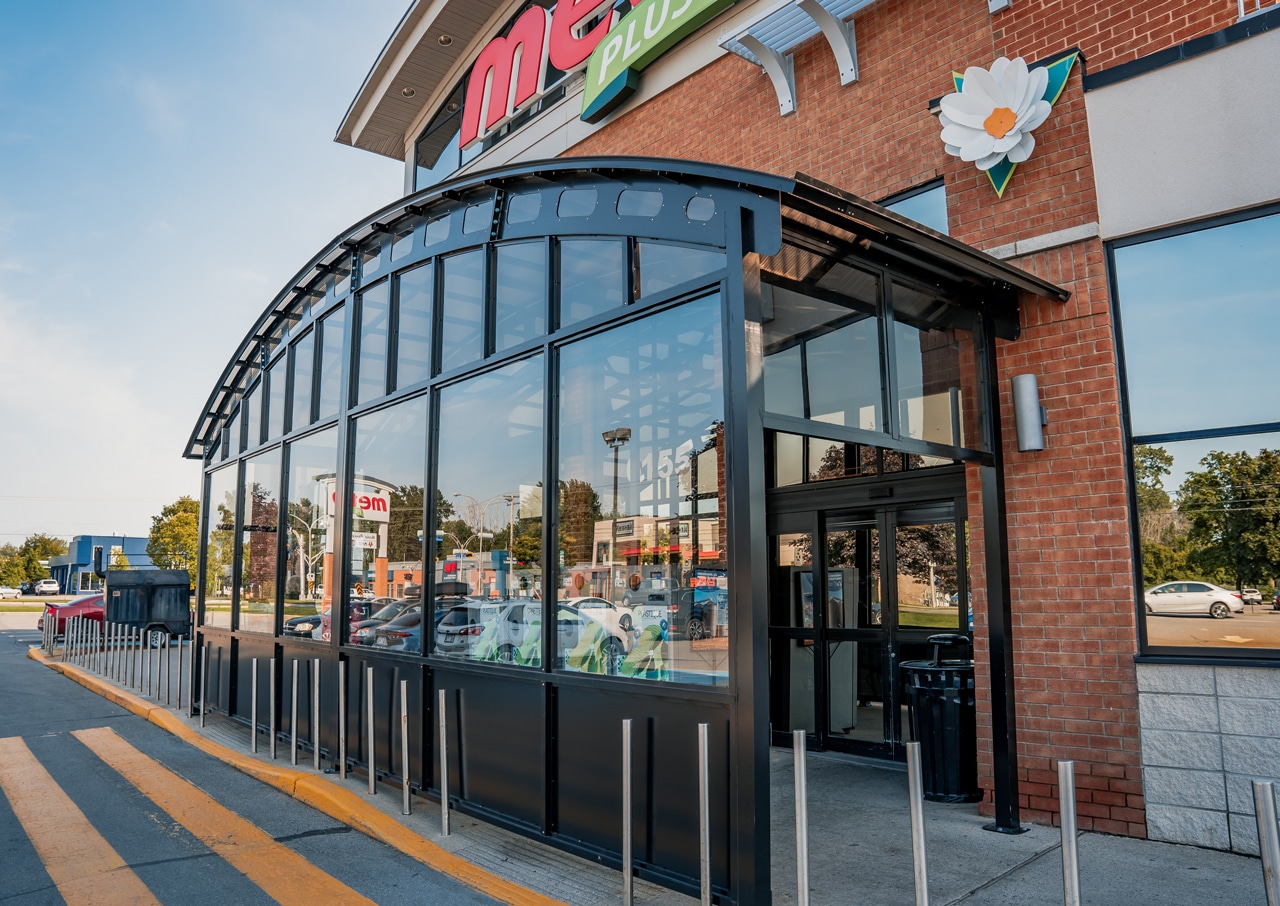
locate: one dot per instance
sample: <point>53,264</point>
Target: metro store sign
<point>510,73</point>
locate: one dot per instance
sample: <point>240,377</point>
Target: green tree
<point>1232,506</point>
<point>22,563</point>
<point>119,560</point>
<point>579,513</point>
<point>1161,528</point>
<point>174,542</point>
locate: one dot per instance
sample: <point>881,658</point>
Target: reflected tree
<point>1232,506</point>
<point>579,512</point>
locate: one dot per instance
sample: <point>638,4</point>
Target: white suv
<point>45,587</point>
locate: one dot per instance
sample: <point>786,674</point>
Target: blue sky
<point>165,167</point>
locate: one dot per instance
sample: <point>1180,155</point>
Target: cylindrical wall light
<point>1029,417</point>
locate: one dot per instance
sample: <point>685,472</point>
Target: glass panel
<point>524,208</point>
<point>252,418</point>
<point>437,230</point>
<point>853,576</point>
<point>577,203</point>
<point>370,261</point>
<point>402,244</point>
<point>928,590</point>
<point>385,532</point>
<point>477,217</point>
<point>700,208</point>
<point>303,363</point>
<point>342,277</point>
<point>520,294</point>
<point>234,435</point>
<point>413,332</point>
<point>791,604</point>
<point>936,365</point>
<point>489,500</point>
<point>1198,309</point>
<point>928,208</point>
<point>332,331</point>
<point>841,348</point>
<point>784,382</point>
<point>663,266</point>
<point>788,459</point>
<point>276,388</point>
<point>259,549</point>
<point>462,320</point>
<point>641,524</point>
<point>1209,527</point>
<point>313,463</point>
<point>220,540</point>
<point>593,277</point>
<point>855,700</point>
<point>791,690</point>
<point>375,313</point>
<point>639,203</point>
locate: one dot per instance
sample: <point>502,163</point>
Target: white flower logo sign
<point>990,118</point>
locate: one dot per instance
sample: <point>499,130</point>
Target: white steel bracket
<point>840,35</point>
<point>781,69</point>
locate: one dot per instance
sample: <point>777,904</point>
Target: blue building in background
<point>74,569</point>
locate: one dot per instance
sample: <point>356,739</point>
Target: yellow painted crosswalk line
<point>80,861</point>
<point>282,874</point>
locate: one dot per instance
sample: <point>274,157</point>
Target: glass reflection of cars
<point>1195,598</point>
<point>458,629</point>
<point>612,616</point>
<point>362,630</point>
<point>404,633</point>
<point>593,627</point>
<point>303,627</point>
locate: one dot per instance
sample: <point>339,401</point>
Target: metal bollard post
<point>799,745</point>
<point>628,883</point>
<point>915,783</point>
<point>404,742</point>
<point>1264,809</point>
<point>145,687</point>
<point>168,666</point>
<point>293,721</point>
<point>704,811</point>
<point>315,717</point>
<point>253,709</point>
<point>444,766</point>
<point>369,755</point>
<point>342,719</point>
<point>1067,817</point>
<point>271,690</point>
<point>204,681</point>
<point>182,655</point>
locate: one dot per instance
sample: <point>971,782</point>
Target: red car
<point>89,606</point>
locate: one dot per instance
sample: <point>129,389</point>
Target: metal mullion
<point>488,301</point>
<point>393,332</point>
<point>431,517</point>
<point>888,359</point>
<point>821,674</point>
<point>237,547</point>
<point>282,513</point>
<point>550,579</point>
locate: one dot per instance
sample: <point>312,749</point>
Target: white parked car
<point>7,591</point>
<point>1251,596</point>
<point>1194,597</point>
<point>46,587</point>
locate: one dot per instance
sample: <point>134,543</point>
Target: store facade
<point>777,418</point>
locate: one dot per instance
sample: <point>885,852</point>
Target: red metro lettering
<point>511,71</point>
<point>369,503</point>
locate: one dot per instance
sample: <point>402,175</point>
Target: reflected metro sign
<point>511,72</point>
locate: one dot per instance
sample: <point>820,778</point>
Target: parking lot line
<point>82,864</point>
<point>282,874</point>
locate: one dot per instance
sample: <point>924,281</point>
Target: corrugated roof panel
<point>788,26</point>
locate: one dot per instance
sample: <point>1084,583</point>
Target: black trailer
<point>156,601</point>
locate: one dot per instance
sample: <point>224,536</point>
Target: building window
<point>276,397</point>
<point>1199,307</point>
<point>642,588</point>
<point>303,359</point>
<point>926,205</point>
<point>220,547</point>
<point>414,290</point>
<point>259,557</point>
<point>332,332</point>
<point>488,519</point>
<point>371,366</point>
<point>462,310</point>
<point>384,534</point>
<point>313,462</point>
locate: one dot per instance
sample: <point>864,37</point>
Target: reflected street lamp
<point>615,438</point>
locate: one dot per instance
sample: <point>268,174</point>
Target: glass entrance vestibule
<point>578,442</point>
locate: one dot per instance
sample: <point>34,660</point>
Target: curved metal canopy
<point>893,237</point>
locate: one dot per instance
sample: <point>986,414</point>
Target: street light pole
<point>615,439</point>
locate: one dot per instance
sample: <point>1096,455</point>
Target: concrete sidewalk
<point>859,835</point>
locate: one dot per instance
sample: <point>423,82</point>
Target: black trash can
<point>943,718</point>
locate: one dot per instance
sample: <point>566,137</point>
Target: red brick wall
<point>1070,554</point>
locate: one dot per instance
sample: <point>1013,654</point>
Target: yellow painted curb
<point>334,801</point>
